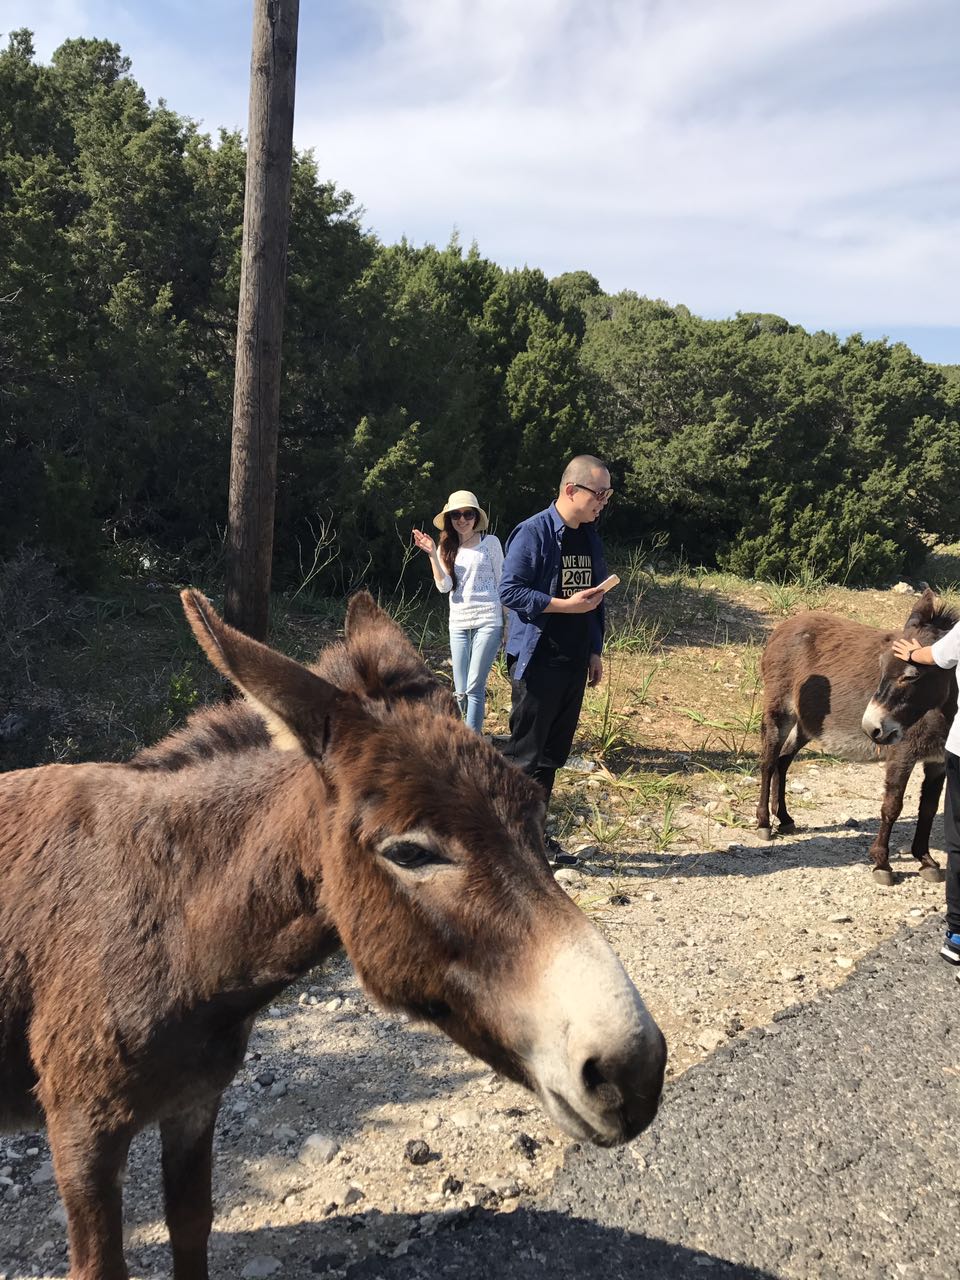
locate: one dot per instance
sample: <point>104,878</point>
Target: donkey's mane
<point>229,728</point>
<point>944,617</point>
<point>939,621</point>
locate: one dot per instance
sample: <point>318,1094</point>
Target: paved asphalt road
<point>821,1146</point>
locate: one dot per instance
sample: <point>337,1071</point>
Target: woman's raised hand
<point>424,542</point>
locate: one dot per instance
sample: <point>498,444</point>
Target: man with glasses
<point>551,569</point>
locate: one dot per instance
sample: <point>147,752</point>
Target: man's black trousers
<point>543,717</point>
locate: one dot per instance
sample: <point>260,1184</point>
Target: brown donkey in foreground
<point>149,910</point>
<point>820,681</point>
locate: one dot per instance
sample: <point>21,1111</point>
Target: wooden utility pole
<point>263,278</point>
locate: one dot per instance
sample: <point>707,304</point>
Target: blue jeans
<point>473,653</point>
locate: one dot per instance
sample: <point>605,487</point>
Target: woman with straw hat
<point>467,566</point>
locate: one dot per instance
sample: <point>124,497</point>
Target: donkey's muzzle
<point>879,727</point>
<point>612,1095</point>
<point>626,1095</point>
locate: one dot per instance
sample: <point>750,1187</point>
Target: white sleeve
<point>445,584</point>
<point>946,650</point>
<point>496,557</point>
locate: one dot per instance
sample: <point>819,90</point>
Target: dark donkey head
<point>907,690</point>
<point>430,851</point>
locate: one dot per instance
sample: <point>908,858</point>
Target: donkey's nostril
<point>592,1077</point>
<point>596,1083</point>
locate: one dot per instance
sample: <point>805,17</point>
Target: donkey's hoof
<point>787,828</point>
<point>764,833</point>
<point>882,875</point>
<point>935,875</point>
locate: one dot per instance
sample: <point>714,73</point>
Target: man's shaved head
<point>580,470</point>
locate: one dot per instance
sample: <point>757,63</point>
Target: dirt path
<point>720,932</point>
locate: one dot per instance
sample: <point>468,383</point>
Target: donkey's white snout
<point>879,727</point>
<point>597,1057</point>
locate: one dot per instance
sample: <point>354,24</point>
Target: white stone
<point>711,1039</point>
<point>318,1149</point>
<point>465,1119</point>
<point>260,1266</point>
<point>843,962</point>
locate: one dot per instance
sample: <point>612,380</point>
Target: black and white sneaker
<point>558,856</point>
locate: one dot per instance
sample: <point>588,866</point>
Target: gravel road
<point>819,1145</point>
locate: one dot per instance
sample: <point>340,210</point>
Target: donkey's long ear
<point>364,612</point>
<point>385,661</point>
<point>296,704</point>
<point>923,610</point>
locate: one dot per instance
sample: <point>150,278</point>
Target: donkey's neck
<point>254,919</point>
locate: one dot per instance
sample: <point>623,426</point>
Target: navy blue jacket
<point>530,580</point>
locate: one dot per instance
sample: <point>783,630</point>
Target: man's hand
<point>594,670</point>
<point>580,602</point>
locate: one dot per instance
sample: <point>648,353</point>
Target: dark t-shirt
<point>566,636</point>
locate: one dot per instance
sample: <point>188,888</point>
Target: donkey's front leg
<point>187,1143</point>
<point>88,1163</point>
<point>933,775</point>
<point>894,785</point>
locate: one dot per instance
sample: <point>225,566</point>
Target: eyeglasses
<point>601,495</point>
<point>462,515</point>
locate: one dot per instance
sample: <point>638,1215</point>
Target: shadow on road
<point>480,1245</point>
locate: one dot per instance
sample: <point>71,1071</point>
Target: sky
<point>792,156</point>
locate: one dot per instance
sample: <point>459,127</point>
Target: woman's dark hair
<point>449,546</point>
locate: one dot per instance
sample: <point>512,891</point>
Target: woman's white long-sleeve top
<point>475,601</point>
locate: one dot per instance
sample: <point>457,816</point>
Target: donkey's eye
<point>407,854</point>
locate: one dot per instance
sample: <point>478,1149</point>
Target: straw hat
<point>459,499</point>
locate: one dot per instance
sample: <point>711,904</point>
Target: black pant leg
<point>566,717</point>
<point>543,719</point>
<point>528,719</point>
<point>951,840</point>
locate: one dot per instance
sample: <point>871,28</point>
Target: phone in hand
<point>608,583</point>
